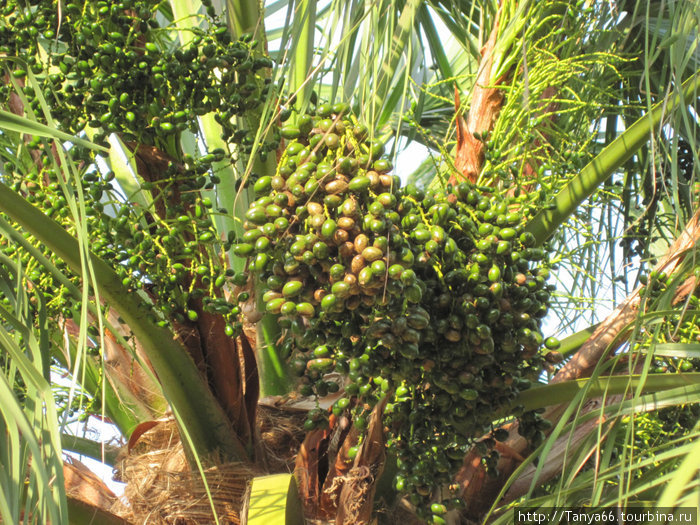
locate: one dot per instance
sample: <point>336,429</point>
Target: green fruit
<point>365,276</point>
<point>320,250</point>
<point>485,229</point>
<point>332,141</point>
<point>269,295</point>
<point>260,262</point>
<point>242,249</point>
<point>240,279</point>
<point>292,288</point>
<point>329,302</point>
<point>289,132</point>
<point>347,165</point>
<point>483,245</point>
<point>305,309</point>
<point>256,215</point>
<point>552,343</point>
<point>340,289</point>
<point>337,271</point>
<point>324,110</point>
<point>503,248</point>
<point>359,183</point>
<point>288,308</point>
<point>507,234</point>
<point>329,228</point>
<point>376,149</point>
<point>431,246</point>
<point>272,211</point>
<point>527,239</point>
<point>513,218</point>
<point>321,351</point>
<point>263,185</point>
<point>294,148</point>
<point>408,277</point>
<point>413,293</point>
<point>275,305</point>
<point>340,107</point>
<point>469,394</point>
<point>305,123</point>
<point>395,271</point>
<point>281,224</point>
<point>322,365</point>
<point>378,267</point>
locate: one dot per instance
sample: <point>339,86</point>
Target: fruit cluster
<point>433,298</point>
<point>113,67</point>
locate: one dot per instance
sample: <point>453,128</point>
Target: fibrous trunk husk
<point>161,489</point>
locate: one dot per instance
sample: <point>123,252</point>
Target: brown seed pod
<point>319,294</point>
<point>314,208</point>
<point>553,357</point>
<point>352,281</point>
<point>340,236</point>
<point>361,242</point>
<point>453,335</point>
<point>346,250</point>
<point>353,302</point>
<point>386,181</point>
<point>316,221</point>
<point>357,263</point>
<point>346,223</point>
<point>372,253</point>
<point>277,182</point>
<point>374,179</point>
<point>349,207</point>
<point>336,187</point>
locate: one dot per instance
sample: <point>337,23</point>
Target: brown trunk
<point>226,362</point>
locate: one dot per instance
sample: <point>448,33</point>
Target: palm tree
<point>138,140</point>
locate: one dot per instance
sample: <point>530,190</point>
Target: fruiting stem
<point>606,162</point>
<point>182,384</point>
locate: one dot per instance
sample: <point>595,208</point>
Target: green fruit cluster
<point>433,298</point>
<point>109,67</point>
<point>112,67</point>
